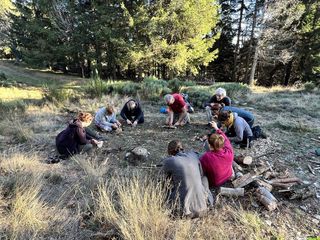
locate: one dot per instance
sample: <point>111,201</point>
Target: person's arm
<point>239,128</point>
<point>82,136</point>
<point>227,143</point>
<point>124,112</point>
<point>182,115</point>
<point>227,101</point>
<point>113,118</point>
<point>139,113</point>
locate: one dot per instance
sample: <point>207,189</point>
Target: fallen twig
<point>314,162</point>
<point>311,170</point>
<point>316,140</point>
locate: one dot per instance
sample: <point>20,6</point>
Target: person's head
<point>109,109</point>
<point>85,118</point>
<point>174,147</point>
<point>216,108</point>
<point>216,142</point>
<point>131,105</point>
<point>220,93</point>
<point>226,117</point>
<point>169,99</point>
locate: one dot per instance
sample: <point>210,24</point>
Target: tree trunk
<point>287,73</point>
<point>254,21</point>
<point>236,51</point>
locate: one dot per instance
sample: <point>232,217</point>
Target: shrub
<point>153,88</point>
<point>3,76</point>
<point>58,95</point>
<point>131,88</point>
<point>234,90</point>
<point>198,95</point>
<point>96,87</point>
<point>309,86</point>
<point>175,84</point>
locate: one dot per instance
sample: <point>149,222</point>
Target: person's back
<point>66,141</point>
<point>184,169</point>
<point>247,116</point>
<point>217,163</point>
<point>241,128</point>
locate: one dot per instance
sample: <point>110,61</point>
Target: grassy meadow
<point>101,196</point>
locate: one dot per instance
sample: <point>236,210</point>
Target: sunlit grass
<point>13,93</point>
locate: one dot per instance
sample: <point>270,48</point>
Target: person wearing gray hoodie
<point>238,130</point>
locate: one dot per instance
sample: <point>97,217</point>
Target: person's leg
<point>141,120</point>
<point>92,133</point>
<point>85,148</point>
<point>208,113</point>
<point>205,184</point>
<point>186,119</point>
<point>251,123</point>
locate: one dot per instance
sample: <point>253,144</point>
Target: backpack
<point>257,132</point>
<point>186,99</point>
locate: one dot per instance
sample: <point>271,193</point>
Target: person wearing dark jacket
<point>132,113</point>
<point>216,108</point>
<point>74,139</point>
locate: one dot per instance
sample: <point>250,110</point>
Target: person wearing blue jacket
<point>217,108</point>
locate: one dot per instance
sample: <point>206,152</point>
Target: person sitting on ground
<point>184,170</point>
<point>74,139</point>
<point>217,163</point>
<point>219,97</point>
<point>216,108</point>
<point>238,129</point>
<point>132,113</point>
<point>177,109</point>
<point>105,119</point>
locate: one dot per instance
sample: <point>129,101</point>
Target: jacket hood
<point>75,123</point>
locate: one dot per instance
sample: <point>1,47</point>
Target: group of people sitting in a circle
<point>192,175</point>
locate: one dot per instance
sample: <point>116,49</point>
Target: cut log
<point>264,184</point>
<point>286,180</point>
<point>269,204</point>
<point>261,170</point>
<point>243,181</point>
<point>237,192</point>
<point>247,160</point>
<point>263,191</point>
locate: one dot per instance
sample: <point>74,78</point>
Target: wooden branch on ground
<point>286,180</point>
<point>264,184</point>
<point>237,192</point>
<point>265,192</point>
<point>311,169</point>
<point>313,162</point>
<point>261,170</point>
<point>316,140</point>
<point>265,154</point>
<point>283,185</point>
<point>243,181</point>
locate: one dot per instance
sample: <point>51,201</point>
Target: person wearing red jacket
<point>177,110</point>
<point>217,163</point>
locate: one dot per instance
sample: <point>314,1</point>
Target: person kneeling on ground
<point>105,119</point>
<point>74,139</point>
<point>220,97</point>
<point>132,113</point>
<point>184,170</point>
<point>217,108</point>
<point>177,110</point>
<point>238,129</point>
<point>217,162</point>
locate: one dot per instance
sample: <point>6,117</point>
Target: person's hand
<point>95,142</point>
<point>129,122</point>
<point>214,125</point>
<point>211,104</point>
<point>134,123</point>
<point>118,123</point>
<point>115,126</point>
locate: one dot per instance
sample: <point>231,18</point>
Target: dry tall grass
<point>135,207</point>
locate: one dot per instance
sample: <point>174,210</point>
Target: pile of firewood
<point>265,182</point>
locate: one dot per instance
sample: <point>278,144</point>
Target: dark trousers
<point>132,119</point>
